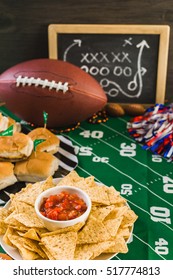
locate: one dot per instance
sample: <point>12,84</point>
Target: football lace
<point>30,81</point>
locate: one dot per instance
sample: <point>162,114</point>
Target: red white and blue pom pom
<point>154,130</point>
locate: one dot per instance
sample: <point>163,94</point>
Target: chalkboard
<point>129,61</point>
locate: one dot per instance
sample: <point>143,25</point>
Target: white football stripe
<point>64,140</point>
<point>67,154</point>
<point>65,166</point>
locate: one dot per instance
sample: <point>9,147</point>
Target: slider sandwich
<point>6,122</point>
<point>51,143</point>
<point>16,147</point>
<point>37,167</point>
<point>7,177</point>
<point>3,122</point>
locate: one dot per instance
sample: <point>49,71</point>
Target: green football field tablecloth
<point>107,152</point>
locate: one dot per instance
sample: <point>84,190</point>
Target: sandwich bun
<point>16,125</point>
<point>7,177</point>
<point>51,143</point>
<point>16,147</point>
<point>3,122</point>
<point>37,167</point>
<point>6,122</point>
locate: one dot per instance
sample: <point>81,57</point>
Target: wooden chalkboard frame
<point>162,30</point>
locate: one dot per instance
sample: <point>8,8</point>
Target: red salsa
<point>63,206</point>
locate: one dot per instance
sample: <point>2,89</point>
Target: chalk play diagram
<point>121,62</point>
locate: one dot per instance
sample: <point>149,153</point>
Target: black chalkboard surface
<point>129,62</point>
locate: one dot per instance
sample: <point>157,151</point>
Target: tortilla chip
<point>107,230</point>
<point>23,207</point>
<point>123,232</point>
<point>12,222</point>
<point>28,194</point>
<point>33,246</point>
<point>70,179</point>
<point>98,194</point>
<point>48,183</point>
<point>91,251</point>
<point>26,254</point>
<point>3,228</point>
<point>19,227</point>
<point>119,246</point>
<point>61,246</point>
<point>99,248</point>
<point>113,225</point>
<point>112,195</point>
<point>47,253</point>
<point>74,228</point>
<point>82,252</point>
<point>93,232</point>
<point>27,221</point>
<point>40,231</point>
<point>117,212</point>
<point>101,213</point>
<point>90,182</point>
<point>129,218</point>
<point>3,215</point>
<point>7,233</point>
<point>31,234</point>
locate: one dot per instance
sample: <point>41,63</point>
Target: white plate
<point>14,253</point>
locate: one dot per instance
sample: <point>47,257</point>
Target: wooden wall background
<point>23,24</point>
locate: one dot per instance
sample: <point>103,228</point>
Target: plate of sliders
<point>31,157</point>
<point>106,232</point>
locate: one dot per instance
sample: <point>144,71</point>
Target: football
<point>67,93</point>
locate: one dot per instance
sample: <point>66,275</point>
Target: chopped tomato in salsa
<point>63,206</point>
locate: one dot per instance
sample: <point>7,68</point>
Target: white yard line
<point>139,184</point>
<point>110,128</point>
<point>129,177</point>
<point>164,224</point>
<point>129,157</point>
<point>148,246</point>
<point>137,207</point>
<point>122,120</point>
<point>126,199</point>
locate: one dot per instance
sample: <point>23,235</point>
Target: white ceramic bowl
<point>54,224</point>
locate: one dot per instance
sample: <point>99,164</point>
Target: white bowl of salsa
<point>62,206</point>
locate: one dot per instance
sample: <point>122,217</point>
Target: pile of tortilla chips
<point>106,231</point>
